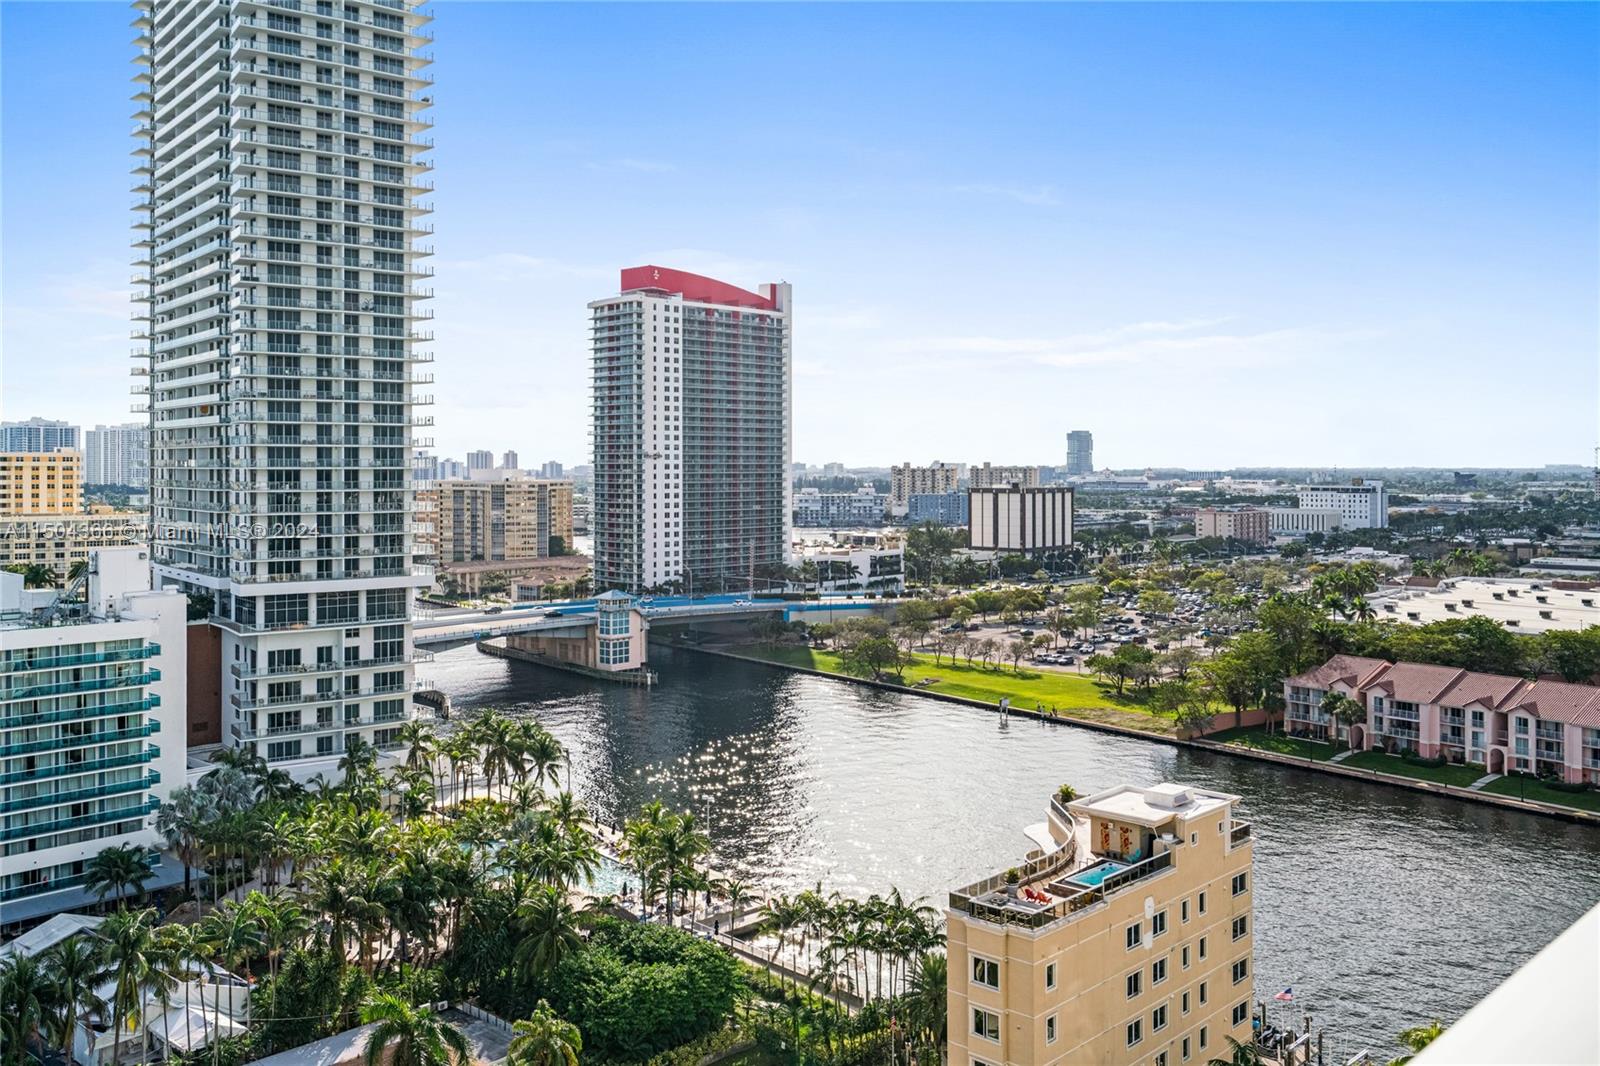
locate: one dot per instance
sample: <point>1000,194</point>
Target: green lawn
<point>1533,789</point>
<point>1450,774</point>
<point>1258,739</point>
<point>1073,695</point>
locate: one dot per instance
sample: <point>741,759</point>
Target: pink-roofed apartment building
<point>1500,723</point>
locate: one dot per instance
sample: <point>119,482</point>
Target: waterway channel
<point>1381,907</point>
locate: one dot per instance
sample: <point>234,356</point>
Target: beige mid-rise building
<point>1125,938</point>
<point>483,521</point>
<point>41,482</point>
<point>906,481</point>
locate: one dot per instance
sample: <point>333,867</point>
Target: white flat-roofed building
<point>280,156</point>
<point>1362,504</point>
<point>83,700</point>
<point>1026,520</point>
<point>1297,522</point>
<point>1524,605</point>
<point>850,561</point>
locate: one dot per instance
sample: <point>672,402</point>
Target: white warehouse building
<point>1362,504</point>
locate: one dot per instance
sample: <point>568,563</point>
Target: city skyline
<point>1382,204</point>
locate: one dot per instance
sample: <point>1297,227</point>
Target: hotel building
<point>279,161</point>
<point>1125,937</point>
<point>37,435</point>
<point>1501,723</point>
<point>692,432</point>
<point>82,697</point>
<point>1362,504</point>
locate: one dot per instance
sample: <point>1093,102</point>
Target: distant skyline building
<point>1362,504</point>
<point>906,481</point>
<point>987,477</point>
<point>692,386</point>
<point>551,470</point>
<point>941,508</point>
<point>481,459</point>
<point>38,435</point>
<point>833,510</point>
<point>1080,452</point>
<point>279,152</point>
<point>117,455</point>
<point>510,461</point>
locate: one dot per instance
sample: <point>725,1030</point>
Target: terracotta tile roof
<point>1415,682</point>
<point>1351,669</point>
<point>1560,701</point>
<point>1491,690</point>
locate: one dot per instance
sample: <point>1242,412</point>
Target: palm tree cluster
<point>883,951</point>
<point>663,849</point>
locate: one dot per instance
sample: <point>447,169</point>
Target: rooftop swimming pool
<point>1095,875</point>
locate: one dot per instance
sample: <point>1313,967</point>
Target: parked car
<point>494,610</point>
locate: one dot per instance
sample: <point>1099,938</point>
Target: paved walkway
<point>1343,755</point>
<point>1484,780</point>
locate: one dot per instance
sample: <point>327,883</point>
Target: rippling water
<point>1381,907</point>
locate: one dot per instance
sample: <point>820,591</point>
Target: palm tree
<point>128,949</point>
<point>284,924</point>
<point>547,926</point>
<point>544,751</point>
<point>26,994</point>
<point>358,757</point>
<point>231,933</point>
<point>739,893</point>
<point>76,972</point>
<point>929,1002</point>
<point>406,1035</point>
<point>117,870</point>
<point>1416,1038</point>
<point>34,575</point>
<point>181,820</point>
<point>544,1040</point>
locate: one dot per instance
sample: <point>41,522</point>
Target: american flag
<point>1286,996</point>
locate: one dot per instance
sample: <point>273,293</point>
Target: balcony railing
<point>72,769</point>
<point>50,662</point>
<point>39,888</point>
<point>78,714</point>
<point>1064,908</point>
<point>55,799</point>
<point>81,740</point>
<point>98,684</point>
<point>1240,834</point>
<point>62,825</point>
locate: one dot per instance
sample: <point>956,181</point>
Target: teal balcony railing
<point>70,769</point>
<point>87,658</point>
<point>98,684</point>
<point>55,799</point>
<point>62,825</point>
<point>79,714</point>
<point>79,740</point>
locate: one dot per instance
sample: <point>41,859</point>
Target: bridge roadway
<point>454,625</point>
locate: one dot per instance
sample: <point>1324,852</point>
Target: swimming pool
<point>610,877</point>
<point>1094,875</point>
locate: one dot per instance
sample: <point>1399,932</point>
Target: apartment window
<point>1158,924</point>
<point>986,1023</point>
<point>1202,1038</point>
<point>1203,998</point>
<point>1241,926</point>
<point>1160,1059</point>
<point>1135,983</point>
<point>1183,1003</point>
<point>1202,949</point>
<point>1050,1029</point>
<point>1135,935</point>
<point>1050,975</point>
<point>979,1062</point>
<point>1202,903</point>
<point>1239,883</point>
<point>1241,1011</point>
<point>1183,910</point>
<point>1158,971</point>
<point>1186,1049</point>
<point>1241,970</point>
<point>985,972</point>
<point>1158,1019</point>
<point>1135,1031</point>
<point>1186,956</point>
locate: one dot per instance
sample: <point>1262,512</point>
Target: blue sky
<point>1214,235</point>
